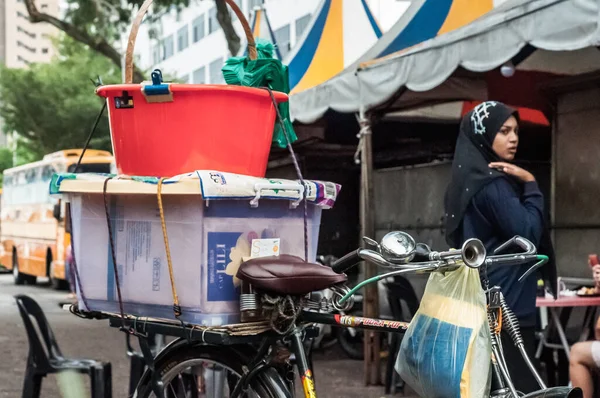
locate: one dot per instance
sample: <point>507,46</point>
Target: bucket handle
<point>135,27</point>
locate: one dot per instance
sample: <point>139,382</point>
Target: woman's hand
<point>513,170</point>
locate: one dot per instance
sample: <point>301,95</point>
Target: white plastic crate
<point>208,240</point>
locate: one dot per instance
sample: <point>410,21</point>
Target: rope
<point>284,312</point>
<point>74,265</point>
<point>112,252</point>
<point>163,223</point>
<point>364,131</point>
<point>296,166</point>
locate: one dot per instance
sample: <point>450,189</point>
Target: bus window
<point>47,173</point>
<point>91,168</point>
<point>21,178</point>
<point>30,176</point>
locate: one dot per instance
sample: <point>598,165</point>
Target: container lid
<point>212,185</point>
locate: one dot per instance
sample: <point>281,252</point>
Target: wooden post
<point>372,343</point>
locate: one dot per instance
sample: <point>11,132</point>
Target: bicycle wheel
<point>209,371</point>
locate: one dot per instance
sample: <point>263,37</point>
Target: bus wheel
<point>57,284</point>
<point>18,277</point>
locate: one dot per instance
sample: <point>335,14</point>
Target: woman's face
<point>507,139</point>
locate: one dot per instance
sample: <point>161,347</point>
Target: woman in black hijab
<point>491,199</point>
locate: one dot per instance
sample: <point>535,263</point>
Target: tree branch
<point>98,44</point>
<point>224,18</point>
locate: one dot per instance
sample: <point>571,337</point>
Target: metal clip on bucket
<point>157,91</point>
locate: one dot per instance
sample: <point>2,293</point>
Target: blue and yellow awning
<point>339,32</point>
<point>424,20</point>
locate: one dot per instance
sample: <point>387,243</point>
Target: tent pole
<point>372,342</point>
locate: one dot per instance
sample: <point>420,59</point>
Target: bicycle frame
<point>381,325</point>
<point>306,373</point>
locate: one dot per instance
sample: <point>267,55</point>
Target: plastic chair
<point>46,358</point>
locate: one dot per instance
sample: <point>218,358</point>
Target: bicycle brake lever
<point>523,243</point>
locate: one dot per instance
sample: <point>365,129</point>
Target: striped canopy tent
<point>339,32</point>
<point>428,26</point>
<point>261,28</point>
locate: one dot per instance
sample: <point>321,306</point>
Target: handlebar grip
<point>421,253</point>
<point>345,263</point>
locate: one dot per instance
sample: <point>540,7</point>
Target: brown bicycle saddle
<point>286,274</point>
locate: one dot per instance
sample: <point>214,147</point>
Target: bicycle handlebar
<point>421,258</point>
<point>343,264</point>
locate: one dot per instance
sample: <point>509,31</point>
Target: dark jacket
<point>497,213</point>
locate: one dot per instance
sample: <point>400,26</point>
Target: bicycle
<point>257,363</point>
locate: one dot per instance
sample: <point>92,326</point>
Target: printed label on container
<point>138,242</point>
<point>265,247</point>
<point>221,250</point>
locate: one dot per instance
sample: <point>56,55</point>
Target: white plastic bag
<point>446,351</point>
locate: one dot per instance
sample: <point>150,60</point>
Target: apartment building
<point>21,42</point>
<point>189,44</point>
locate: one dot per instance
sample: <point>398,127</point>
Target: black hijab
<point>470,173</point>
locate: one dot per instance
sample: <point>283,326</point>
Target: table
<point>567,302</point>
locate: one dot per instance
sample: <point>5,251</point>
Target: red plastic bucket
<point>187,127</point>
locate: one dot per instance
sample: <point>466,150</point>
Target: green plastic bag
<point>265,71</point>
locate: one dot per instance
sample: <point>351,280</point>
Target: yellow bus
<point>33,239</point>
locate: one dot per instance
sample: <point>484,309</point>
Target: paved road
<point>337,376</point>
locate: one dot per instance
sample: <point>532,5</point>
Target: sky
<point>388,12</point>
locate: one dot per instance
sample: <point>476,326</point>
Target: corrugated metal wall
<point>577,189</point>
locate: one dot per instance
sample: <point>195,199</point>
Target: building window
<point>21,59</point>
<point>254,3</point>
<point>301,24</point>
<point>199,77</point>
<point>214,69</point>
<point>182,38</point>
<point>156,54</point>
<point>44,51</point>
<point>198,28</point>
<point>168,49</point>
<point>213,22</point>
<point>282,38</point>
<point>30,34</point>
<point>25,46</point>
<point>44,6</point>
<point>21,15</point>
